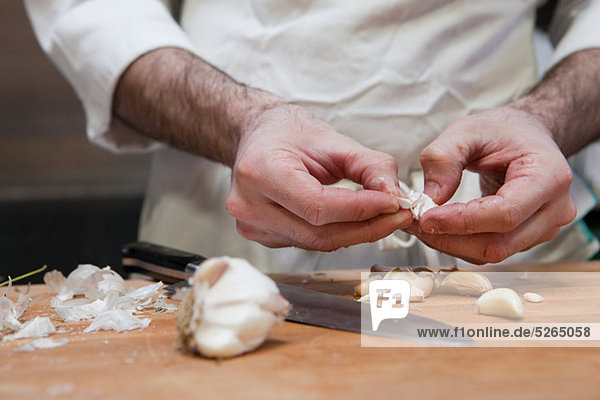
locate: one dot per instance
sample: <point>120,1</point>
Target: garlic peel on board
<point>229,309</point>
<point>501,302</point>
<point>109,302</point>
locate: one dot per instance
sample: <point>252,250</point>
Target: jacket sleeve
<point>575,26</point>
<point>92,42</point>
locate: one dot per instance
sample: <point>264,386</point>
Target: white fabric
<point>391,74</point>
<point>92,42</point>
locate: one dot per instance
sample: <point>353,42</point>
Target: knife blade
<point>308,306</point>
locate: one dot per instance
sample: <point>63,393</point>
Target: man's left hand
<point>524,179</point>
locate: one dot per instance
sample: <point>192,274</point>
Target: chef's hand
<point>284,158</point>
<point>524,179</point>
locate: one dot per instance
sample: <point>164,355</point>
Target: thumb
<point>443,162</point>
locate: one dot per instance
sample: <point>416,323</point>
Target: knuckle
<point>313,213</point>
<point>568,213</point>
<point>564,178</point>
<point>495,252</point>
<point>360,211</point>
<point>387,161</point>
<point>372,235</point>
<point>244,230</point>
<point>235,207</point>
<point>467,219</point>
<point>510,217</point>
<point>321,242</point>
<point>246,170</point>
<point>433,153</point>
<point>552,234</point>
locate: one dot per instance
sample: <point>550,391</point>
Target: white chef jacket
<point>390,74</point>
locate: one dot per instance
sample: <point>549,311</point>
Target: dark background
<point>63,201</point>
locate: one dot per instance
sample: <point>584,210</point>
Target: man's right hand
<point>280,154</point>
<point>285,157</point>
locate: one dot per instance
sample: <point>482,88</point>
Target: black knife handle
<point>155,254</point>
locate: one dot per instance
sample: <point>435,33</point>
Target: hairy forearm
<point>177,98</point>
<point>567,100</point>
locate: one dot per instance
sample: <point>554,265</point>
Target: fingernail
<point>394,208</point>
<point>433,189</point>
<point>403,219</point>
<point>431,226</point>
<point>386,187</point>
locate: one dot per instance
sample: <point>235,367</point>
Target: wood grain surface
<point>297,362</point>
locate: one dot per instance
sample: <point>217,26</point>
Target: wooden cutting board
<point>297,362</point>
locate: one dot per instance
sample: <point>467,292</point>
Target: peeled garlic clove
<point>465,283</point>
<point>229,310</point>
<point>502,302</point>
<point>533,297</point>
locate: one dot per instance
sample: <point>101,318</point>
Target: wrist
<point>253,105</point>
<point>540,113</point>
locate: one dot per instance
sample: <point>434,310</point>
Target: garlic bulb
<point>229,310</point>
<point>502,302</point>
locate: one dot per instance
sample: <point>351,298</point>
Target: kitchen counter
<point>297,362</point>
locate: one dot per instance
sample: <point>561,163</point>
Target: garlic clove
<point>229,310</point>
<point>465,283</point>
<point>533,297</point>
<point>501,302</point>
<point>421,283</point>
<point>362,289</point>
<point>212,272</point>
<point>218,342</point>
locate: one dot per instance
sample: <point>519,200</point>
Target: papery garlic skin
<point>109,302</point>
<point>34,328</point>
<point>229,310</point>
<point>8,315</point>
<point>501,302</point>
<point>418,203</point>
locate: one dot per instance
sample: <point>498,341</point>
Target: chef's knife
<point>308,306</point>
